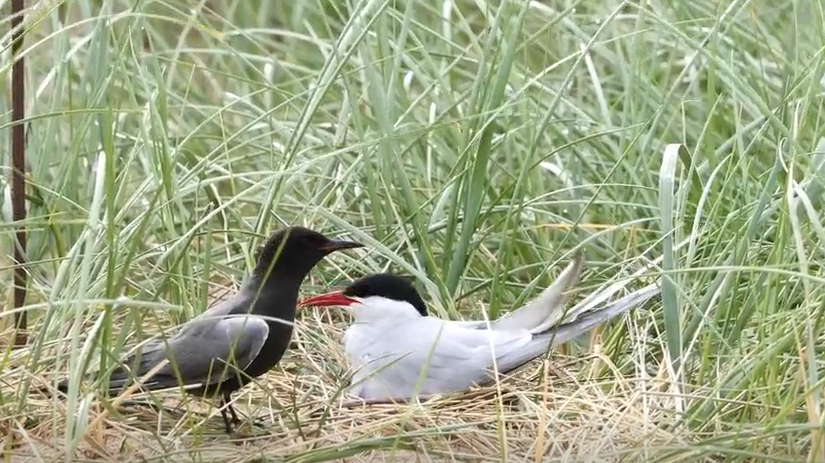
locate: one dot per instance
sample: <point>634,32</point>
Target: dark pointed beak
<point>337,245</point>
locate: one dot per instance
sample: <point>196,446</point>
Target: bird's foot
<point>232,422</point>
<point>254,421</point>
<point>233,427</point>
<point>240,433</point>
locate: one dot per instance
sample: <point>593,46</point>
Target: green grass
<point>475,146</point>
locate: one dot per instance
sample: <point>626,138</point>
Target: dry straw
<point>570,409</point>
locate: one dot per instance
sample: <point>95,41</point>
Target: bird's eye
<point>314,240</point>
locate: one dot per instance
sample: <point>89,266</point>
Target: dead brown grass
<point>562,409</point>
<point>551,410</point>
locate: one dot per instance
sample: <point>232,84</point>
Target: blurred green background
<point>472,145</point>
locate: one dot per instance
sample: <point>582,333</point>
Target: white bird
<point>400,352</point>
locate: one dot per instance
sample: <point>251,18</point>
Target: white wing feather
<point>425,355</point>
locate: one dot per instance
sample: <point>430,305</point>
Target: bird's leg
<point>226,421</point>
<point>254,421</point>
<point>257,421</point>
<point>226,399</point>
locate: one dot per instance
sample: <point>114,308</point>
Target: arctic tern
<point>399,352</point>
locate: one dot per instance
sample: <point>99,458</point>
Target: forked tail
<point>569,330</point>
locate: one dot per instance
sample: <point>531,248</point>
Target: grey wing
<point>508,361</point>
<point>205,352</point>
<point>587,320</point>
<point>238,303</point>
<point>416,360</point>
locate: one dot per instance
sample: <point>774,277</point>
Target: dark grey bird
<point>224,348</point>
<point>399,351</point>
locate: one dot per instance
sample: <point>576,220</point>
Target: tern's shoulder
<point>212,317</point>
<point>464,333</point>
<point>238,303</point>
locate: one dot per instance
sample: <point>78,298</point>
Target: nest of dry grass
<point>561,409</point>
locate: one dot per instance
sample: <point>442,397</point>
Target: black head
<point>292,252</point>
<point>389,286</point>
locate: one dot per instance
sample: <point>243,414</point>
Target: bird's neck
<point>279,291</point>
<point>279,276</point>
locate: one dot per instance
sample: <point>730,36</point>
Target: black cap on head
<point>388,286</point>
<point>295,251</point>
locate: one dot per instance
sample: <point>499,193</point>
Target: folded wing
<point>427,356</point>
<point>206,352</point>
<point>545,311</point>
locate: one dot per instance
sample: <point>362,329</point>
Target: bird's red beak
<point>328,299</point>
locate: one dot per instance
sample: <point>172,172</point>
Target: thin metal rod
<point>18,153</point>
